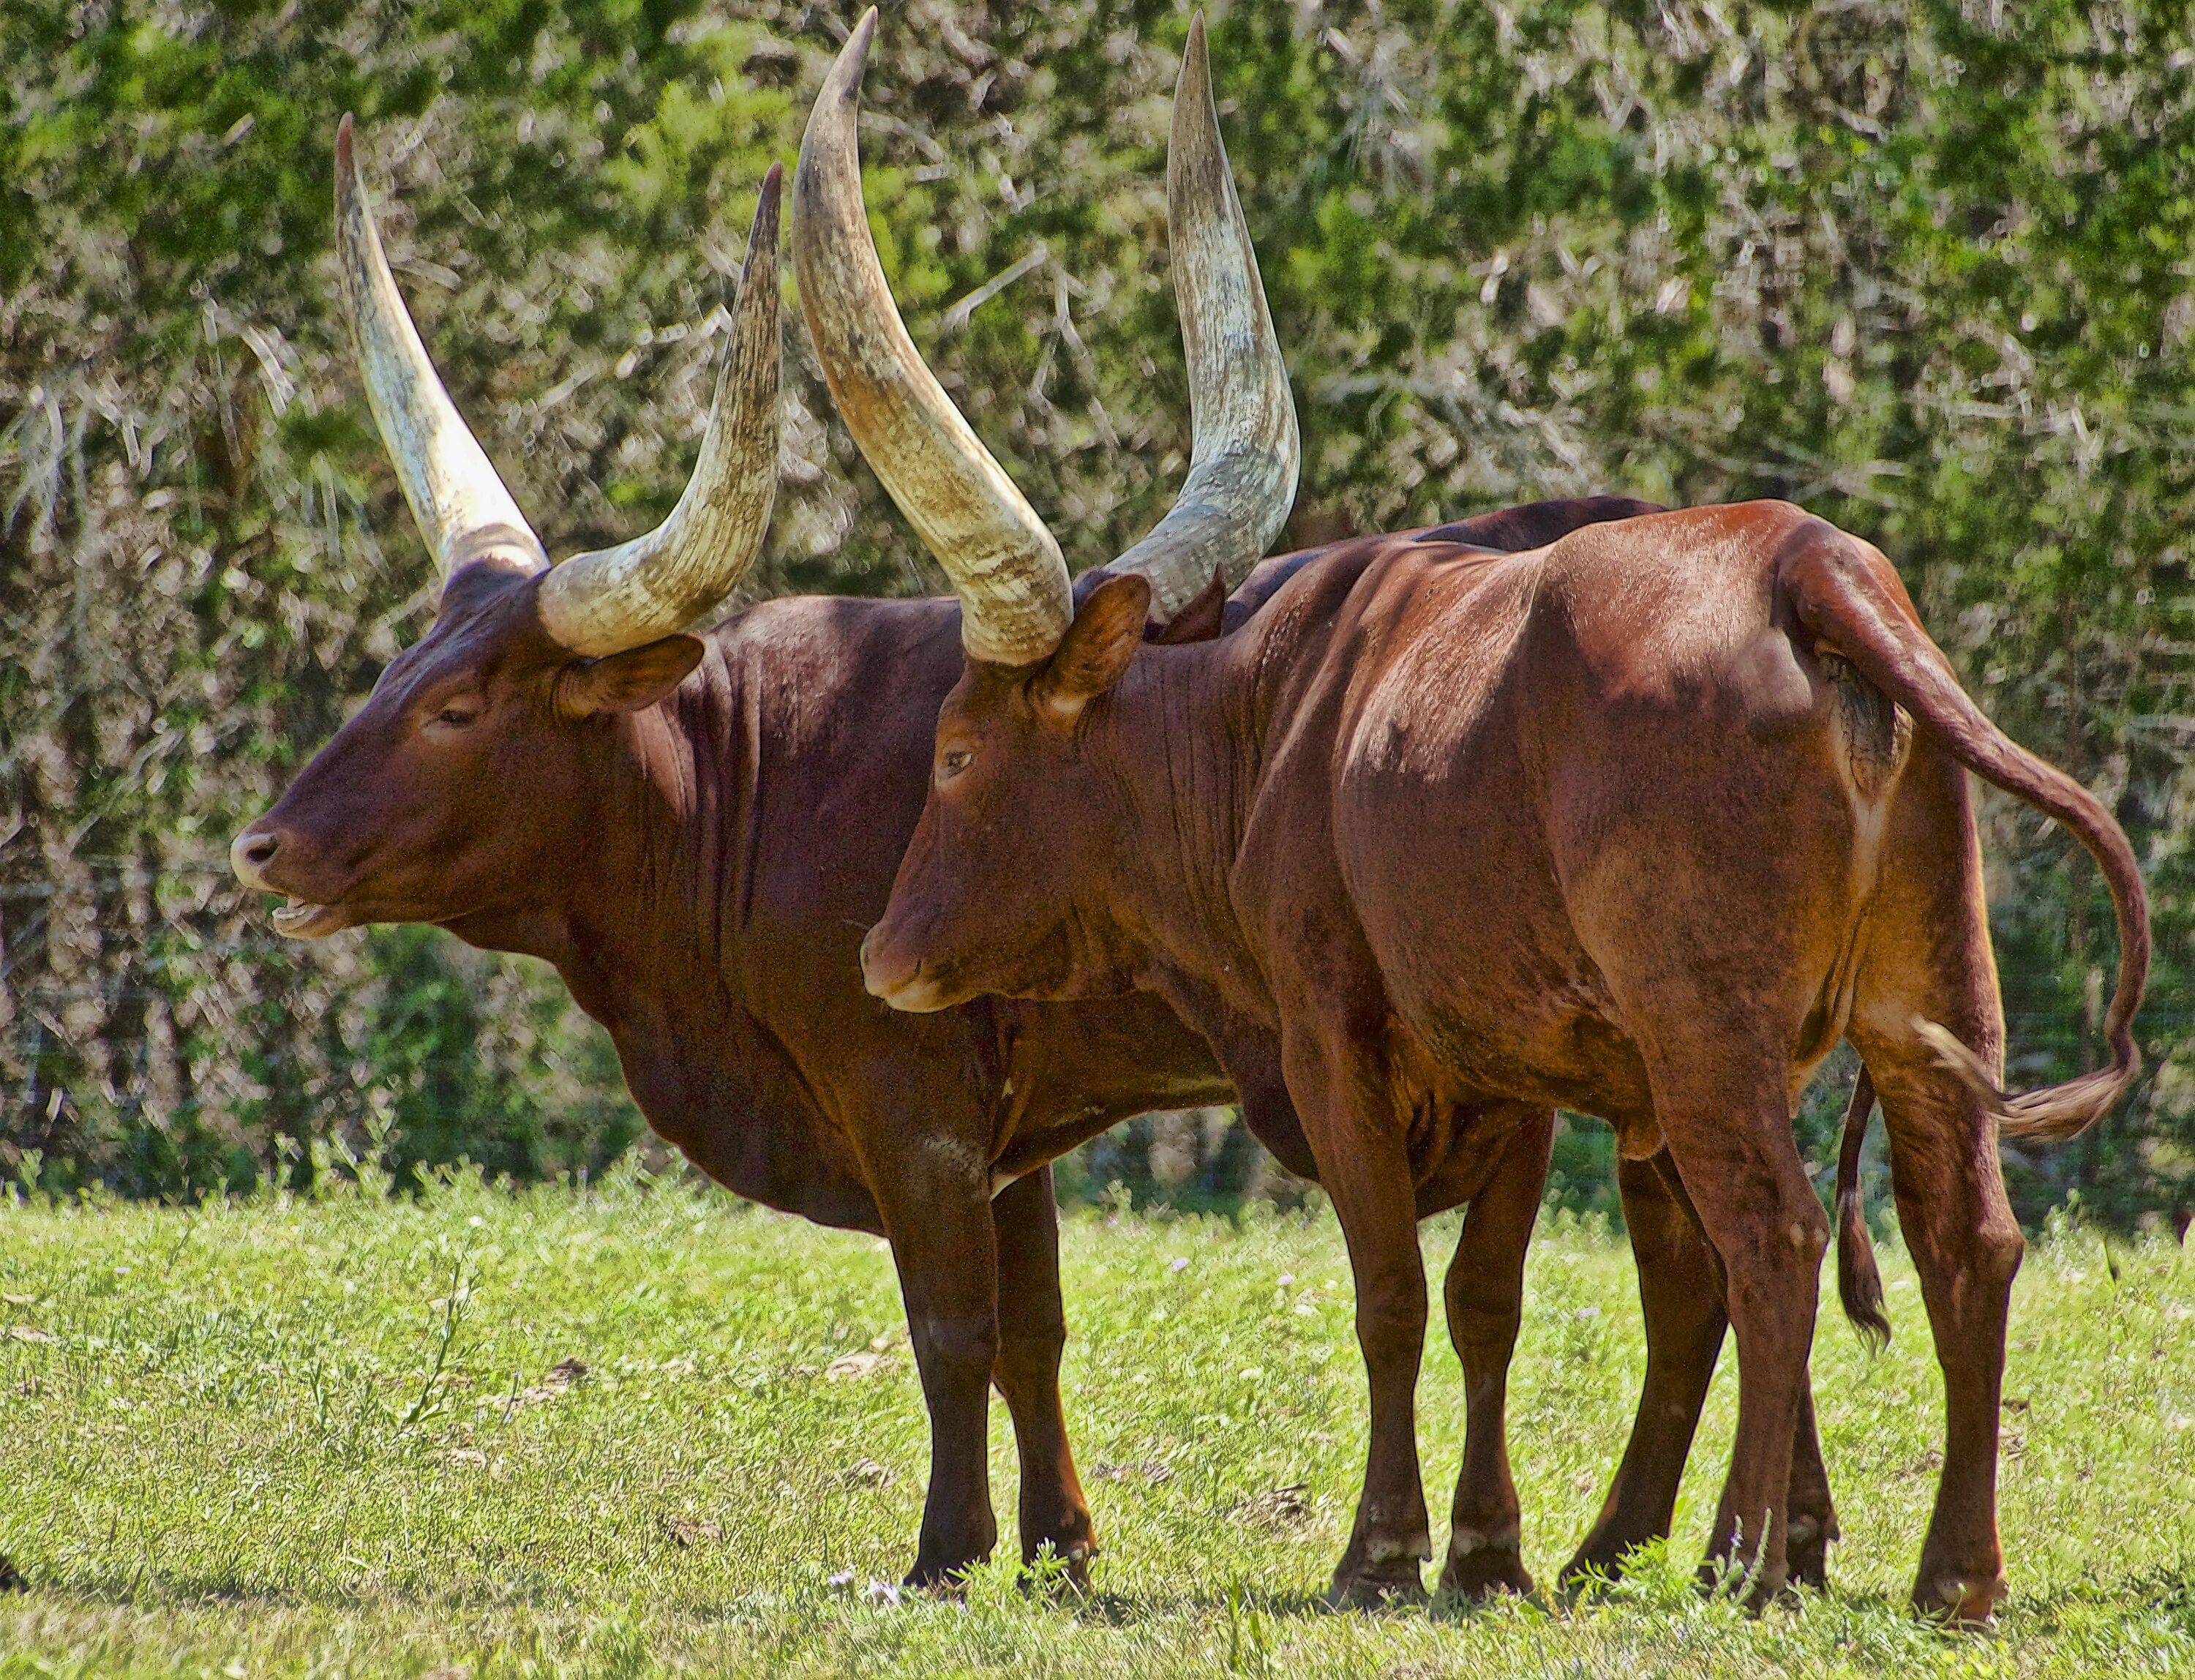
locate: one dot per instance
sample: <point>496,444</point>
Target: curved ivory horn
<point>464,510</point>
<point>1012,583</point>
<point>615,599</point>
<point>1243,469</point>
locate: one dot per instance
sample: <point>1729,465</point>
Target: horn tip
<point>856,54</point>
<point>343,155</point>
<point>763,234</point>
<point>1192,93</point>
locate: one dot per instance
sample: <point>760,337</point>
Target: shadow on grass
<point>2165,1593</point>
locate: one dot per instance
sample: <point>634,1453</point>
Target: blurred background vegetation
<point>1923,265</point>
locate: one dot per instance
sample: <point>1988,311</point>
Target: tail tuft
<point>1859,1283</point>
<point>2055,1115</point>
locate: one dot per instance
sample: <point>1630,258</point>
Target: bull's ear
<point>1095,652</point>
<point>631,681</point>
<point>1200,621</point>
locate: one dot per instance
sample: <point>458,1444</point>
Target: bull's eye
<point>457,717</point>
<point>956,760</point>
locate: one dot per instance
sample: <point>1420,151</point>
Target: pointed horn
<point>615,599</point>
<point>463,508</point>
<point>1241,476</point>
<point>1012,583</point>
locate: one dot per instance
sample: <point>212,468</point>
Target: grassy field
<point>346,1437</point>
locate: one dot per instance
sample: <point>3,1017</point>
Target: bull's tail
<point>1859,1283</point>
<point>1856,607</point>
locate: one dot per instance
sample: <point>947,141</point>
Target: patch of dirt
<point>559,1381</point>
<point>852,1367</point>
<point>1151,1471</point>
<point>867,1474</point>
<point>689,1532</point>
<point>1278,1507</point>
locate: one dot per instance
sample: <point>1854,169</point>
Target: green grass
<point>323,1437</point>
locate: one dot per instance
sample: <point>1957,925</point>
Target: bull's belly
<point>1555,1050</point>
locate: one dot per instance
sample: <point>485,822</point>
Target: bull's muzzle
<point>896,976</point>
<point>255,852</point>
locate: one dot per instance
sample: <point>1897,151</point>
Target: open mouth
<point>299,921</point>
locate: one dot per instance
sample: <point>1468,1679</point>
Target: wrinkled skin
<point>1625,825</point>
<point>694,834</point>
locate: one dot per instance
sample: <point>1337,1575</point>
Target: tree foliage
<point>1919,264</point>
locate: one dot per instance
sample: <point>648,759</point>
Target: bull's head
<point>989,894</point>
<point>438,800</point>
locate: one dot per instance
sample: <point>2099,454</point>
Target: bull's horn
<point>1012,583</point>
<point>619,597</point>
<point>464,510</point>
<point>1243,470</point>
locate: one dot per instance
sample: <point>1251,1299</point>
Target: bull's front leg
<point>934,1193</point>
<point>1364,1161</point>
<point>1032,1333</point>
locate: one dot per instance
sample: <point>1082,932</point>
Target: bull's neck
<point>1185,727</point>
<point>622,909</point>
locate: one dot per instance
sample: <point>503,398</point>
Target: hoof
<point>943,1580</point>
<point>1806,1551</point>
<point>11,1577</point>
<point>1390,1583</point>
<point>1969,1600</point>
<point>1484,1571</point>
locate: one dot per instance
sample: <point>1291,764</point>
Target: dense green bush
<point>1919,265</point>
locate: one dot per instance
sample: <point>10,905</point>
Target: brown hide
<point>1628,824</point>
<point>695,833</point>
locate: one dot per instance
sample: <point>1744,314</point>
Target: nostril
<point>252,852</point>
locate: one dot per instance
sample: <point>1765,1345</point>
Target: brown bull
<point>694,831</point>
<point>1640,824</point>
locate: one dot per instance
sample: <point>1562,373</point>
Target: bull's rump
<point>1581,785</point>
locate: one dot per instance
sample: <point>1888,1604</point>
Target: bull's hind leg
<point>1965,1245</point>
<point>1723,1105</point>
<point>1814,1518</point>
<point>1032,1333</point>
<point>1681,1292</point>
<point>1927,957</point>
<point>1485,1300</point>
<point>1680,1295</point>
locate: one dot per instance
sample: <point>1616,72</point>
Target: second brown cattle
<point>1641,823</point>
